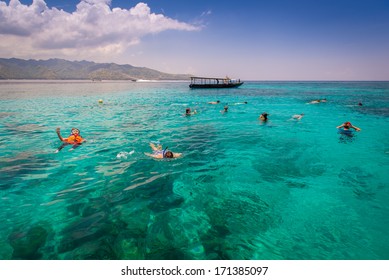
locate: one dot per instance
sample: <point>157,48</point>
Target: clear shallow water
<point>243,190</point>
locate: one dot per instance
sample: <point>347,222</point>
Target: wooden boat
<point>202,82</point>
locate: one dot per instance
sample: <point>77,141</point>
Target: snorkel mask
<point>167,154</point>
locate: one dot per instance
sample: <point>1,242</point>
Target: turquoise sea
<point>243,189</point>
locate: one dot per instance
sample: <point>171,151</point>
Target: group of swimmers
<point>264,116</point>
<point>75,139</point>
<point>346,126</point>
<point>188,111</point>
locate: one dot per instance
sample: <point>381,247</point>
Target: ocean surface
<point>243,189</point>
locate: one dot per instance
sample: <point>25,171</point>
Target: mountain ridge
<point>61,69</point>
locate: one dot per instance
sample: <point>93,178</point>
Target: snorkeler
<point>214,102</point>
<point>238,103</point>
<point>318,101</point>
<point>159,153</point>
<point>225,110</point>
<point>347,126</point>
<point>74,139</point>
<point>298,117</point>
<point>189,113</point>
<point>263,117</point>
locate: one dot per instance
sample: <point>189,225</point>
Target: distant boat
<point>202,82</point>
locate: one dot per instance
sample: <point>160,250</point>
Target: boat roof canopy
<point>208,78</point>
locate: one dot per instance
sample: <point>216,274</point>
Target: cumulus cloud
<point>94,27</point>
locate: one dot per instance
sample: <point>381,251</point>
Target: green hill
<point>60,69</point>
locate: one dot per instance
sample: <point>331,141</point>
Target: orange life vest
<point>74,139</point>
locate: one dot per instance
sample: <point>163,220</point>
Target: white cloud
<point>206,13</point>
<point>93,29</point>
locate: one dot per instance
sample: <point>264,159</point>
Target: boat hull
<point>229,85</point>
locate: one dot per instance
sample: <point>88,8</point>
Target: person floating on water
<point>225,110</point>
<point>298,117</point>
<point>347,125</point>
<point>160,154</point>
<point>189,113</point>
<point>317,101</point>
<point>238,103</point>
<point>74,139</point>
<point>263,117</point>
<point>214,102</point>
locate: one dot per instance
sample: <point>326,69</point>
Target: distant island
<point>60,69</point>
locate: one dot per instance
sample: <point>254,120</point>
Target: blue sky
<point>251,40</point>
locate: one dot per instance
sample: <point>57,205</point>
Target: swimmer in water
<point>214,102</point>
<point>225,110</point>
<point>74,139</point>
<point>348,126</point>
<point>298,117</point>
<point>263,117</point>
<point>189,113</point>
<point>318,101</point>
<point>238,103</point>
<point>160,154</point>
